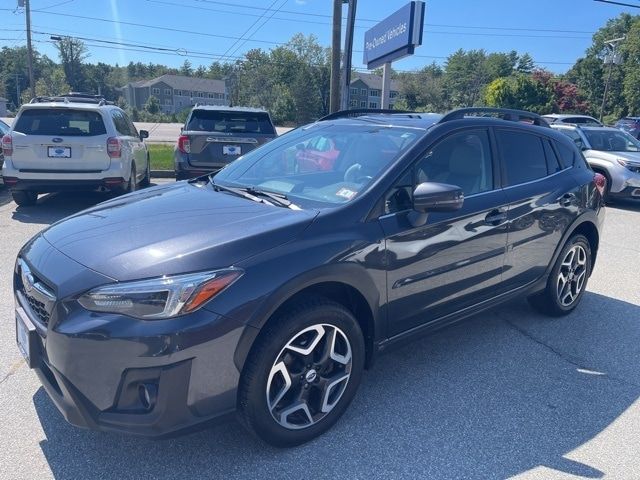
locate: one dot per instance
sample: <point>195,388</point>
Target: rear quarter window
<point>522,155</point>
<point>230,122</point>
<point>60,122</point>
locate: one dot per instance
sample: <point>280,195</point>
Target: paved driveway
<point>507,393</point>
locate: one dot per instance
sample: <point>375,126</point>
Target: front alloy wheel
<point>302,372</point>
<point>309,376</point>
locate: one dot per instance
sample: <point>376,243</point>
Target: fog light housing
<point>148,393</point>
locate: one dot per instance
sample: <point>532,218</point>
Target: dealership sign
<point>394,37</point>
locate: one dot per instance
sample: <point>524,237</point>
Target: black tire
<point>24,198</point>
<point>550,301</point>
<point>146,181</point>
<point>131,185</point>
<point>271,346</point>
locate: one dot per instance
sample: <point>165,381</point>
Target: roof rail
<point>359,112</point>
<point>502,113</point>
<point>73,97</point>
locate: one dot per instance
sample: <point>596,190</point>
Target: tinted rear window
<point>60,122</point>
<point>567,154</point>
<point>230,122</point>
<point>523,156</point>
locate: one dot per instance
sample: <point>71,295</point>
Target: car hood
<point>173,229</point>
<point>612,156</point>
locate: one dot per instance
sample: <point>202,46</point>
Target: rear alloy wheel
<point>24,198</point>
<point>568,279</point>
<point>302,374</point>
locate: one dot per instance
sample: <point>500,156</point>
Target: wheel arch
<point>361,298</point>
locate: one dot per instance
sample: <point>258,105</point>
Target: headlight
<point>162,297</point>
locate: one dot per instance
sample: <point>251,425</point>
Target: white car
<point>567,118</point>
<point>73,143</point>
<point>611,152</point>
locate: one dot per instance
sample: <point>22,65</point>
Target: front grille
<point>39,297</point>
<point>37,307</point>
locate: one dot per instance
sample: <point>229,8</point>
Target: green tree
<point>422,90</point>
<point>72,53</point>
<point>466,76</point>
<point>152,105</point>
<point>525,64</point>
<point>521,92</point>
<point>186,68</point>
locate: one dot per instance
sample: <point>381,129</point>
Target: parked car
<point>562,118</point>
<point>613,153</point>
<point>214,136</point>
<point>75,142</point>
<point>4,129</point>
<point>264,291</point>
<point>631,125</point>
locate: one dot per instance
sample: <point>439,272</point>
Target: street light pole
<point>612,45</point>
<point>334,87</point>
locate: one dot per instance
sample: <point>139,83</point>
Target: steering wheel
<point>353,174</point>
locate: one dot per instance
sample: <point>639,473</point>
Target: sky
<point>554,32</point>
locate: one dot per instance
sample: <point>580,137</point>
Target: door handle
<point>567,199</point>
<point>495,217</point>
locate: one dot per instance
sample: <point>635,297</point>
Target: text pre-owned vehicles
<point>75,142</point>
<point>214,136</point>
<point>612,153</point>
<point>266,290</point>
<point>4,128</point>
<point>573,119</point>
<point>631,125</point>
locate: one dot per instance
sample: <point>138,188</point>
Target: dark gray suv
<point>214,136</point>
<point>266,290</point>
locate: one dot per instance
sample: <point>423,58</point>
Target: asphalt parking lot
<point>508,393</point>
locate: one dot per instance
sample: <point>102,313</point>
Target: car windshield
<point>612,141</point>
<point>321,165</point>
<point>230,122</point>
<point>63,122</point>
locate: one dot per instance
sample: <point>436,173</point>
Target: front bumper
<point>110,372</point>
<point>631,193</point>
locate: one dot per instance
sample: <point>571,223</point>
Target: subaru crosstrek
<point>266,291</point>
<point>75,142</point>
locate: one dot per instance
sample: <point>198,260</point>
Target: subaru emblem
<point>56,140</point>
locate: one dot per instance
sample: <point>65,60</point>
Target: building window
<point>393,94</point>
<point>363,92</point>
<point>177,93</point>
<point>374,93</point>
<point>363,104</point>
<point>201,94</point>
<point>167,91</point>
<point>211,95</point>
<point>354,91</point>
<point>354,103</point>
<point>168,101</point>
<point>155,91</point>
<point>373,105</point>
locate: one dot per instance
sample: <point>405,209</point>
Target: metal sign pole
<point>348,53</point>
<point>386,85</point>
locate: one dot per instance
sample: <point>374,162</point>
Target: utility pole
<point>334,96</point>
<point>348,53</point>
<point>610,58</point>
<point>32,84</point>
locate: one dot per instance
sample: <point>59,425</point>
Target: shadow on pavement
<point>56,206</point>
<point>628,205</point>
<point>491,397</point>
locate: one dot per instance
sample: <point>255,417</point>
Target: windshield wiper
<point>279,198</point>
<point>254,194</point>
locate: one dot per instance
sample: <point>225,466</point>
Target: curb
<point>162,174</point>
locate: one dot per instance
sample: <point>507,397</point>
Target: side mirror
<point>437,197</point>
<point>143,134</point>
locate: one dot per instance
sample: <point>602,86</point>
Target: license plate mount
<point>26,338</point>
<point>59,152</point>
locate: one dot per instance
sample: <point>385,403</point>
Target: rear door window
<point>63,122</point>
<point>522,155</point>
<point>230,122</point>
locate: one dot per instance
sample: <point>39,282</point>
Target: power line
<point>250,27</point>
<point>266,20</point>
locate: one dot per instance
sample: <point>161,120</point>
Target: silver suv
<point>611,152</point>
<point>76,142</point>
